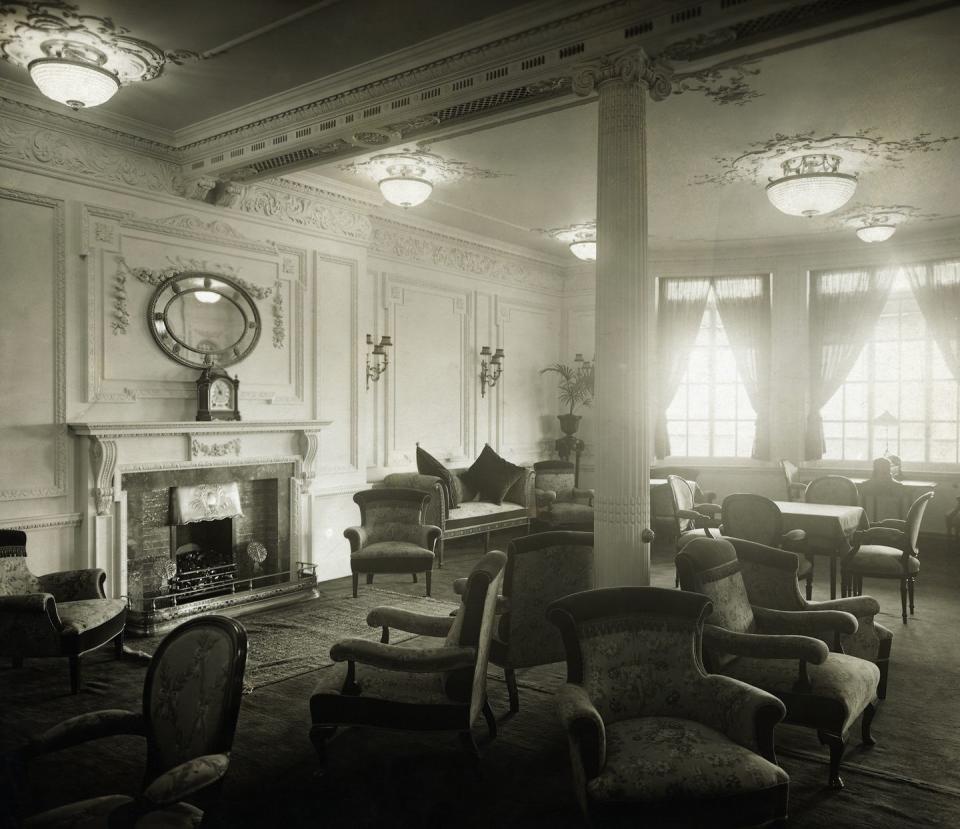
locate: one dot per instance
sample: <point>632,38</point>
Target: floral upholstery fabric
<point>74,585</point>
<point>563,513</point>
<point>731,606</point>
<point>771,586</point>
<point>188,697</point>
<point>885,561</point>
<point>187,778</point>
<point>658,758</point>
<point>393,521</point>
<point>555,480</point>
<point>85,615</point>
<point>95,814</point>
<point>393,549</point>
<point>16,579</point>
<point>848,680</point>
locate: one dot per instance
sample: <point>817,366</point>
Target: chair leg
<point>486,542</point>
<point>428,578</point>
<point>910,582</point>
<point>836,744</point>
<point>810,585</point>
<point>369,578</point>
<point>356,582</point>
<point>414,578</point>
<point>467,741</point>
<point>490,719</point>
<point>511,676</point>
<point>440,553</point>
<point>868,714</point>
<point>319,734</point>
<point>75,674</point>
<point>903,599</point>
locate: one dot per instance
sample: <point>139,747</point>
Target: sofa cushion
<point>429,465</point>
<point>475,513</point>
<point>657,758</point>
<point>492,476</point>
<point>87,614</point>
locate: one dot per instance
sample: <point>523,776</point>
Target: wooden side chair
<point>791,476</point>
<point>832,489</point>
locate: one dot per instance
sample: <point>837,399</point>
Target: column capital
<point>626,66</point>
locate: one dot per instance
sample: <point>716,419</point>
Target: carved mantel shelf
<point>153,445</point>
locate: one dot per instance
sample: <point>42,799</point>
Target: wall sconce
<point>380,362</point>
<point>490,372</point>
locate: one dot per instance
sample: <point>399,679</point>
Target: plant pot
<point>569,423</point>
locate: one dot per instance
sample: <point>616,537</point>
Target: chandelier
<point>74,75</point>
<point>581,239</point>
<point>878,231</point>
<point>406,183</point>
<point>811,185</point>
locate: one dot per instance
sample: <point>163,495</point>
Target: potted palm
<point>575,388</point>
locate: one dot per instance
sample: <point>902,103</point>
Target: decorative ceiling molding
<point>394,240</point>
<point>862,151</point>
<point>437,169</point>
<point>862,215</point>
<point>572,233</point>
<point>726,84</point>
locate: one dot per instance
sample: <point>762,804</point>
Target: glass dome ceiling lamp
<point>406,184</point>
<point>878,231</point>
<point>811,185</point>
<point>73,74</point>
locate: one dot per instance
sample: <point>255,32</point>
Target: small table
<point>829,529</point>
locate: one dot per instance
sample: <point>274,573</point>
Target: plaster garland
<point>214,450</point>
<point>276,308</point>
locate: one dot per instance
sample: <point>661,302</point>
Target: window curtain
<point>844,308</point>
<point>744,307</point>
<point>679,313</point>
<point>937,289</point>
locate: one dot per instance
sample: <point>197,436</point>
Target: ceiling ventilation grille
<point>326,125</point>
<point>258,146</point>
<point>400,102</point>
<point>570,51</point>
<point>370,111</point>
<point>280,139</point>
<point>488,102</point>
<point>348,119</point>
<point>638,29</point>
<point>793,17</point>
<point>427,94</point>
<point>533,63</point>
<point>217,158</point>
<point>685,15</point>
<point>303,132</point>
<point>465,83</point>
<point>197,165</point>
<point>236,153</point>
<point>284,160</point>
<point>729,4</point>
<point>502,72</point>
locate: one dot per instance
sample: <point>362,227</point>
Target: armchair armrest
<point>859,606</point>
<point>395,658</point>
<point>884,536</point>
<point>711,510</point>
<point>181,781</point>
<point>86,727</point>
<point>765,646</point>
<point>747,715</point>
<point>804,622</point>
<point>429,536</point>
<point>40,603</point>
<point>584,727</point>
<point>891,523</point>
<point>523,492</point>
<point>75,585</point>
<point>460,587</point>
<point>794,540</point>
<point>30,625</point>
<point>545,497</point>
<point>407,620</point>
<point>357,536</point>
<point>585,495</point>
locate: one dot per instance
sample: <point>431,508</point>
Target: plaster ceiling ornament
<point>406,177</point>
<point>860,152</point>
<point>77,59</point>
<point>580,238</point>
<point>877,222</point>
<point>725,84</point>
<point>811,185</point>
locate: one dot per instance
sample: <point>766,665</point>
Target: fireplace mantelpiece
<point>111,450</point>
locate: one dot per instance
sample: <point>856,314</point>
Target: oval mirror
<point>203,319</point>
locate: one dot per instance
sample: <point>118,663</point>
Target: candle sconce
<point>490,371</point>
<point>377,360</point>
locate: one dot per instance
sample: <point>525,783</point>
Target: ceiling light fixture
<point>76,82</point>
<point>811,185</point>
<point>878,232</point>
<point>406,183</point>
<point>580,238</point>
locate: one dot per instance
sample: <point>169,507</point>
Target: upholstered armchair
<point>783,652</point>
<point>441,688</point>
<point>560,504</point>
<point>541,568</point>
<point>392,537</point>
<point>57,614</point>
<point>651,734</point>
<point>796,489</point>
<point>756,518</point>
<point>887,550</point>
<point>832,489</point>
<point>770,577</point>
<point>191,699</point>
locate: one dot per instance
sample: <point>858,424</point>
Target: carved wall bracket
<point>309,447</point>
<point>103,459</point>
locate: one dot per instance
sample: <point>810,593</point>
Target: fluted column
<point>624,315</point>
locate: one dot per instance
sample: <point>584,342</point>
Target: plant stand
<point>571,445</point>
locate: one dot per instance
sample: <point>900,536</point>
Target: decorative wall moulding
<point>201,449</point>
<point>67,520</point>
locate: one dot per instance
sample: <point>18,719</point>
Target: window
<point>711,415</point>
<point>900,371</point>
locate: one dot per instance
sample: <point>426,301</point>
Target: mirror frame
<point>176,349</point>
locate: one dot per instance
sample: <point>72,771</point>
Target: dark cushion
<point>429,465</point>
<point>492,476</point>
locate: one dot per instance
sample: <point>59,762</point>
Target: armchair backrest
<point>391,514</point>
<point>791,472</point>
<point>915,519</point>
<point>683,499</point>
<point>833,489</point>
<point>883,497</point>
<point>710,566</point>
<point>191,694</point>
<point>632,648</point>
<point>753,517</point>
<point>769,575</point>
<point>473,627</point>
<point>556,476</point>
<point>15,578</point>
<point>541,568</point>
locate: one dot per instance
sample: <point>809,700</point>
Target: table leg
<point>833,577</point>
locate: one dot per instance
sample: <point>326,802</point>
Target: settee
<point>471,516</point>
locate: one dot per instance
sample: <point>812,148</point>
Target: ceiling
<point>885,98</point>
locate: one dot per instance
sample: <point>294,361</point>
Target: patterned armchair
<point>756,518</point>
<point>887,550</point>
<point>559,503</point>
<point>651,735</point>
<point>783,652</point>
<point>57,614</point>
<point>188,743</point>
<point>392,537</point>
<point>442,688</point>
<point>770,577</point>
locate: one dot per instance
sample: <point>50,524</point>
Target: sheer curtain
<point>744,306</point>
<point>844,308</point>
<point>937,288</point>
<point>679,313</point>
